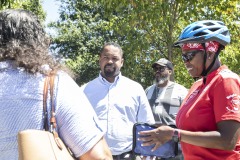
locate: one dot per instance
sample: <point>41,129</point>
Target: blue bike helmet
<point>203,31</point>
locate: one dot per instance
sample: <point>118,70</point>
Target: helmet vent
<point>209,24</point>
<point>214,29</point>
<point>225,33</point>
<point>195,28</point>
<point>200,34</point>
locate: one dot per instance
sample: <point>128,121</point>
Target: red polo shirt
<point>206,105</point>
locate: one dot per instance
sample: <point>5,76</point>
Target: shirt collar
<point>214,73</point>
<point>106,82</point>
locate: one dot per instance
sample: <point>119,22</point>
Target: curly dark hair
<point>23,39</point>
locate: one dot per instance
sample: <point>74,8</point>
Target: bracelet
<point>176,135</point>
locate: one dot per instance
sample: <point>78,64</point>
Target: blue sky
<point>51,7</point>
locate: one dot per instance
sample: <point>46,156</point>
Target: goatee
<point>108,72</point>
<point>161,80</point>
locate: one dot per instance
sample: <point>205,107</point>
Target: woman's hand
<point>156,137</point>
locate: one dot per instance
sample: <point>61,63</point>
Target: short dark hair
<point>112,44</point>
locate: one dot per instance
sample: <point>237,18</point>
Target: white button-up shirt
<point>118,105</point>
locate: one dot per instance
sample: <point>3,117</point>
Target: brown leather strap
<point>45,112</point>
<point>49,81</point>
<point>53,119</point>
<point>53,122</point>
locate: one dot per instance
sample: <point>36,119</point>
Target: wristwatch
<point>176,135</point>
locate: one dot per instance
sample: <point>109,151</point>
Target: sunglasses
<point>161,69</point>
<point>187,57</point>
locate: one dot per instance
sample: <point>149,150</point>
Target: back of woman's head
<point>23,39</point>
<point>21,27</point>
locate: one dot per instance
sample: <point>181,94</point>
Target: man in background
<point>118,101</point>
<point>165,96</point>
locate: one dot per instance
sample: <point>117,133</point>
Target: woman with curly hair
<point>24,64</point>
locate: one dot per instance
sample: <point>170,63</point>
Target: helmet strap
<point>206,70</point>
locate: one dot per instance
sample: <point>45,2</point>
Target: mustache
<point>108,65</point>
<point>160,74</point>
<point>157,72</point>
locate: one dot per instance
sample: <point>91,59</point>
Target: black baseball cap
<point>163,62</point>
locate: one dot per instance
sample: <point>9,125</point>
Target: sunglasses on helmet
<point>187,57</point>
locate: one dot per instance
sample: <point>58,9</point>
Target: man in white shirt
<point>118,101</point>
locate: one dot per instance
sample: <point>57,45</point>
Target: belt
<point>125,155</point>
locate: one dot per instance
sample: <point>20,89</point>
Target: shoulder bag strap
<point>53,122</point>
<point>45,112</point>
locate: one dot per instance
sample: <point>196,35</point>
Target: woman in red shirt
<point>209,119</point>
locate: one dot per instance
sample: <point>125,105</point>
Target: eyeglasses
<point>161,69</point>
<point>187,57</point>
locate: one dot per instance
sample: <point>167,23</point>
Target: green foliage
<point>145,29</point>
<point>82,30</point>
<point>35,7</point>
<point>5,3</point>
<point>31,5</point>
<point>87,65</point>
<point>231,58</point>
